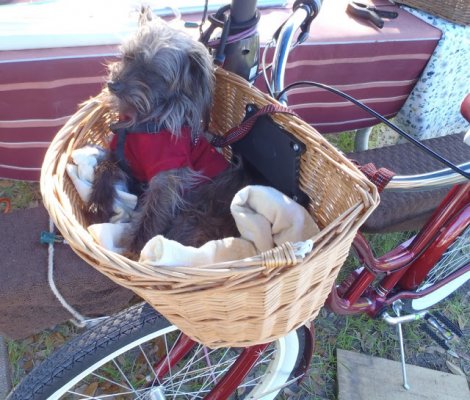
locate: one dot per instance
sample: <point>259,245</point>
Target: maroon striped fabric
<point>40,89</point>
<point>377,66</point>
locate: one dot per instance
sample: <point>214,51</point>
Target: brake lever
<point>312,7</point>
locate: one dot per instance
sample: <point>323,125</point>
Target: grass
<point>357,333</point>
<point>22,194</point>
<point>26,354</point>
<point>376,338</point>
<point>345,140</point>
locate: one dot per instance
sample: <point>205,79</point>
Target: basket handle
<point>285,255</point>
<point>240,131</point>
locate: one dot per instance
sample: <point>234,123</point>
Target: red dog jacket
<point>147,154</point>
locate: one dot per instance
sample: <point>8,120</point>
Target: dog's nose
<point>115,87</point>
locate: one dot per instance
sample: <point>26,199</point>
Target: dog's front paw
<point>98,214</point>
<point>107,177</point>
<point>137,240</point>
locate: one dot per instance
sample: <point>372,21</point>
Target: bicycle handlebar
<point>284,43</point>
<point>428,181</point>
<point>399,183</point>
<point>304,12</point>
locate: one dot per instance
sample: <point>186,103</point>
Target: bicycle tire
<point>137,328</point>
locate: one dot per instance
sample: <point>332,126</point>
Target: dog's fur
<point>164,76</point>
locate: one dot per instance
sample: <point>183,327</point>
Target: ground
<point>358,333</point>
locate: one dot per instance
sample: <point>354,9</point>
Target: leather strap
<point>240,131</point>
<point>121,158</point>
<point>379,177</point>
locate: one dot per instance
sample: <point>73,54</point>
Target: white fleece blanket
<point>268,218</point>
<point>160,251</point>
<point>81,172</point>
<point>264,217</point>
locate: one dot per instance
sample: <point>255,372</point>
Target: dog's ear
<point>201,79</point>
<point>146,15</point>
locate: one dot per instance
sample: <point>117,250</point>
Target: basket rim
<point>60,209</point>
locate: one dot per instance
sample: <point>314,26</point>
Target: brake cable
<point>402,133</point>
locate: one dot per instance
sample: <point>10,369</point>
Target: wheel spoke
<point>109,396</point>
<point>124,376</point>
<point>456,256</point>
<point>199,373</point>
<point>210,376</point>
<point>99,376</point>
<point>168,355</point>
<point>148,362</point>
<point>185,369</point>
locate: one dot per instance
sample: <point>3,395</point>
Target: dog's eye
<point>115,86</point>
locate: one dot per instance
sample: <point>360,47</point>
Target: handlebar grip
<point>314,6</point>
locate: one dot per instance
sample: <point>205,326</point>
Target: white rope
<point>79,320</point>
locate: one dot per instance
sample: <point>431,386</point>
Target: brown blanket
<point>27,304</point>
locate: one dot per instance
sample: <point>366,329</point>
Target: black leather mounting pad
<point>272,156</point>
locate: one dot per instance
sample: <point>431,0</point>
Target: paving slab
<point>363,377</point>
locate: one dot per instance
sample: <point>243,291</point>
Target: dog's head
<point>163,76</point>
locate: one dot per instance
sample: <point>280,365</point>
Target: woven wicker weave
<point>457,11</point>
<point>241,302</point>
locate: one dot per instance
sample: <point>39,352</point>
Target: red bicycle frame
<point>407,265</point>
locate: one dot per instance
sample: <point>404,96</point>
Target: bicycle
<point>167,364</point>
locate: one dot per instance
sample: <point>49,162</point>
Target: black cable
<point>259,73</point>
<point>379,117</point>
<point>204,17</point>
<point>219,57</point>
<point>264,69</point>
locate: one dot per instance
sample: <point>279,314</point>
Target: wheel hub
<point>156,393</point>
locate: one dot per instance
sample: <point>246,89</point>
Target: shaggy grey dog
<point>162,89</point>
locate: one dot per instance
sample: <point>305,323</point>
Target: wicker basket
<point>241,302</point>
<point>457,11</point>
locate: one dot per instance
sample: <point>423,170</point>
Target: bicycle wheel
<point>456,257</point>
<point>125,357</point>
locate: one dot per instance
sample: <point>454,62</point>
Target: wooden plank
<point>363,377</point>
